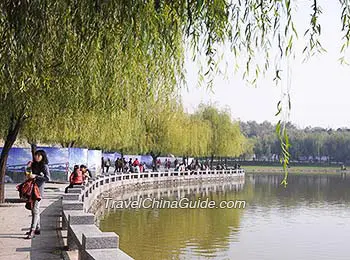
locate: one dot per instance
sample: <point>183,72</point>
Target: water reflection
<point>302,190</point>
<point>174,233</point>
<point>307,220</point>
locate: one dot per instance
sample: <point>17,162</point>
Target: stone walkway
<point>15,221</point>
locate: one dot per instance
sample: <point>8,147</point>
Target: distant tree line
<point>312,144</point>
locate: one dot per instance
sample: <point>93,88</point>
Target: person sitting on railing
<point>86,172</point>
<point>136,166</point>
<point>76,178</point>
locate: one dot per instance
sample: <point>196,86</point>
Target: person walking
<point>116,164</point>
<point>108,164</point>
<point>40,170</point>
<point>103,164</point>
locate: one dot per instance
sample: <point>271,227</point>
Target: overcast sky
<point>320,88</point>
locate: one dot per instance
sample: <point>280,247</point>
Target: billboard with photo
<point>77,156</point>
<point>62,160</point>
<point>58,158</point>
<point>108,156</point>
<point>18,159</point>
<point>94,160</point>
<point>147,159</point>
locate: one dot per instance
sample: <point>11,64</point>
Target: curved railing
<point>85,236</point>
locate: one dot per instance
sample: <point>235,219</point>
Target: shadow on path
<point>47,245</point>
<point>19,236</point>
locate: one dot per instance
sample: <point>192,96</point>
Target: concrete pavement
<point>15,221</point>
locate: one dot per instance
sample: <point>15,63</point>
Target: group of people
<point>196,165</point>
<point>121,165</point>
<point>182,166</point>
<point>105,164</point>
<point>193,166</point>
<point>135,166</point>
<point>78,176</point>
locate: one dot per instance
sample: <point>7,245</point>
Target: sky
<point>319,91</point>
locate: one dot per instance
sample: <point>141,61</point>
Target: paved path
<point>15,221</point>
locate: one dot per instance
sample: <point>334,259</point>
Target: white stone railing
<point>93,188</point>
<point>85,236</point>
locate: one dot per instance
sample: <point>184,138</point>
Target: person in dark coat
<point>39,168</point>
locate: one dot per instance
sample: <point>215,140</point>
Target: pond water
<point>310,219</point>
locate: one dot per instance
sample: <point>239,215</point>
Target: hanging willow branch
<point>84,69</point>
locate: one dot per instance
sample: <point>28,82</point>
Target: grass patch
<point>293,169</point>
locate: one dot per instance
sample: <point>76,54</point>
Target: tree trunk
<point>33,149</point>
<point>14,128</point>
<point>68,144</point>
<point>154,157</point>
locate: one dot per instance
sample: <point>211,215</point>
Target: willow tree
<point>188,135</point>
<point>74,71</point>
<point>196,137</point>
<point>226,138</point>
<point>167,129</point>
<point>114,77</point>
<point>59,56</point>
<point>156,115</point>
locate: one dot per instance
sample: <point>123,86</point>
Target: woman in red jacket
<point>76,178</point>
